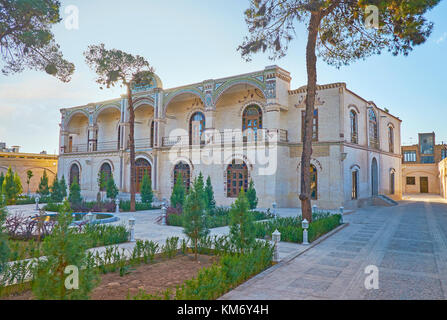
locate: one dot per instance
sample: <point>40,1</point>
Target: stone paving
<point>408,244</point>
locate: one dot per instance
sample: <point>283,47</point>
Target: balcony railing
<point>354,137</point>
<point>107,146</point>
<point>76,148</point>
<point>269,135</point>
<point>373,143</point>
<point>143,143</point>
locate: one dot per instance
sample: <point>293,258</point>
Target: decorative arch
<point>392,181</point>
<point>355,172</point>
<point>183,168</point>
<point>314,162</point>
<point>70,116</point>
<point>354,107</point>
<point>374,177</point>
<point>195,134</point>
<point>143,101</point>
<point>237,176</point>
<point>172,95</point>
<point>106,171</point>
<point>373,128</point>
<point>259,103</point>
<point>231,83</point>
<point>104,107</point>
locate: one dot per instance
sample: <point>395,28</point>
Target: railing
<point>143,143</point>
<point>107,146</point>
<point>230,137</point>
<point>76,148</point>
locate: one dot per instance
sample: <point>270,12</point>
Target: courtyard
<point>407,243</point>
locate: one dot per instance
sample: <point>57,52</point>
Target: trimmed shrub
<point>146,190</point>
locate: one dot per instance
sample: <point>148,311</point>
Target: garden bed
<point>220,217</point>
<point>292,231</point>
<point>152,278</point>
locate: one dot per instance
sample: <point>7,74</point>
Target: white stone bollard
<point>37,199</point>
<point>132,229</point>
<point>163,215</point>
<point>117,205</point>
<point>276,237</point>
<point>305,225</point>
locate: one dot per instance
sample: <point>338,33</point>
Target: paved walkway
<point>408,244</point>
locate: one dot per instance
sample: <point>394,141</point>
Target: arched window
<point>237,178</point>
<point>106,172</point>
<point>184,170</point>
<point>152,133</point>
<point>355,184</point>
<point>74,174</point>
<point>374,178</point>
<point>252,118</point>
<point>313,182</point>
<point>354,127</point>
<point>373,133</point>
<point>391,139</point>
<point>196,127</point>
<point>142,166</point>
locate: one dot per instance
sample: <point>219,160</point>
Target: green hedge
<point>291,230</point>
<point>220,217</point>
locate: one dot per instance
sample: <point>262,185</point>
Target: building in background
<point>356,148</point>
<point>420,165</point>
<point>22,162</point>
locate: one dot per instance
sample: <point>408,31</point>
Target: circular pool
<point>78,217</point>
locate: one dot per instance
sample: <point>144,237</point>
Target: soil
<point>152,278</point>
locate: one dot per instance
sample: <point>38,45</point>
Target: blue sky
<point>189,41</point>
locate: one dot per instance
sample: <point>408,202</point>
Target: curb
<point>289,258</point>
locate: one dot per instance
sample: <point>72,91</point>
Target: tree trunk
<point>131,147</point>
<point>311,63</point>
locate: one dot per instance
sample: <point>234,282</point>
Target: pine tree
<point>75,192</point>
<point>43,189</point>
<point>64,248</point>
<point>178,193</point>
<point>2,178</point>
<point>56,192</point>
<point>194,220</point>
<point>209,196</point>
<point>242,232</point>
<point>112,190</point>
<point>146,190</point>
<point>11,186</point>
<point>251,196</point>
<point>63,187</point>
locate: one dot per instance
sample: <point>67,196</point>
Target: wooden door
<point>423,184</point>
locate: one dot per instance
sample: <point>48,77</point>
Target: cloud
<point>442,38</point>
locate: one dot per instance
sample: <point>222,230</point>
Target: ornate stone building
<point>236,129</point>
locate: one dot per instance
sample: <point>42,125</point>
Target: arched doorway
<point>74,174</point>
<point>374,178</point>
<point>106,172</point>
<point>196,128</point>
<point>142,166</point>
<point>237,178</point>
<point>184,170</point>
